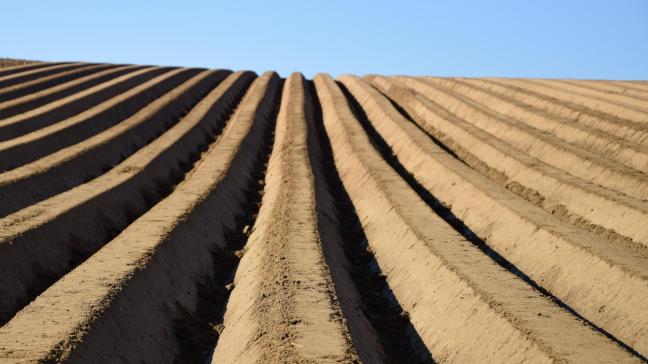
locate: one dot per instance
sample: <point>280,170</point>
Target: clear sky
<point>547,38</point>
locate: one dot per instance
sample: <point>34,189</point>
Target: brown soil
<point>9,62</point>
<point>159,214</point>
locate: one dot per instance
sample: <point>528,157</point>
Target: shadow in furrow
<point>398,337</point>
<point>437,206</point>
<point>53,96</point>
<point>90,164</point>
<point>42,73</point>
<point>115,209</point>
<point>28,152</point>
<point>198,332</point>
<point>11,70</point>
<point>40,86</point>
<point>75,107</point>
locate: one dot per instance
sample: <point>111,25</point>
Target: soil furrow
<point>55,111</point>
<point>444,212</point>
<point>284,305</point>
<point>539,144</point>
<point>42,83</point>
<point>93,156</point>
<point>629,87</point>
<point>148,276</point>
<point>608,212</point>
<point>30,75</point>
<point>9,70</point>
<point>361,334</point>
<point>603,106</point>
<point>455,295</point>
<point>172,214</point>
<point>621,101</point>
<point>38,244</point>
<point>397,337</point>
<point>33,100</point>
<point>39,143</point>
<point>556,255</point>
<point>610,88</point>
<point>606,145</point>
<point>198,331</point>
<point>636,132</point>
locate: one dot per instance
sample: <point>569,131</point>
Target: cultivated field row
<point>163,214</point>
<point>12,63</point>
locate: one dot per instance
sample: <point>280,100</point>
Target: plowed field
<point>163,214</point>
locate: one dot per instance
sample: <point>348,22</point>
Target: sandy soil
<point>539,182</point>
<point>161,214</point>
<point>540,245</point>
<point>14,63</point>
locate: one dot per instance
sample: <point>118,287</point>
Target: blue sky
<point>569,38</point>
